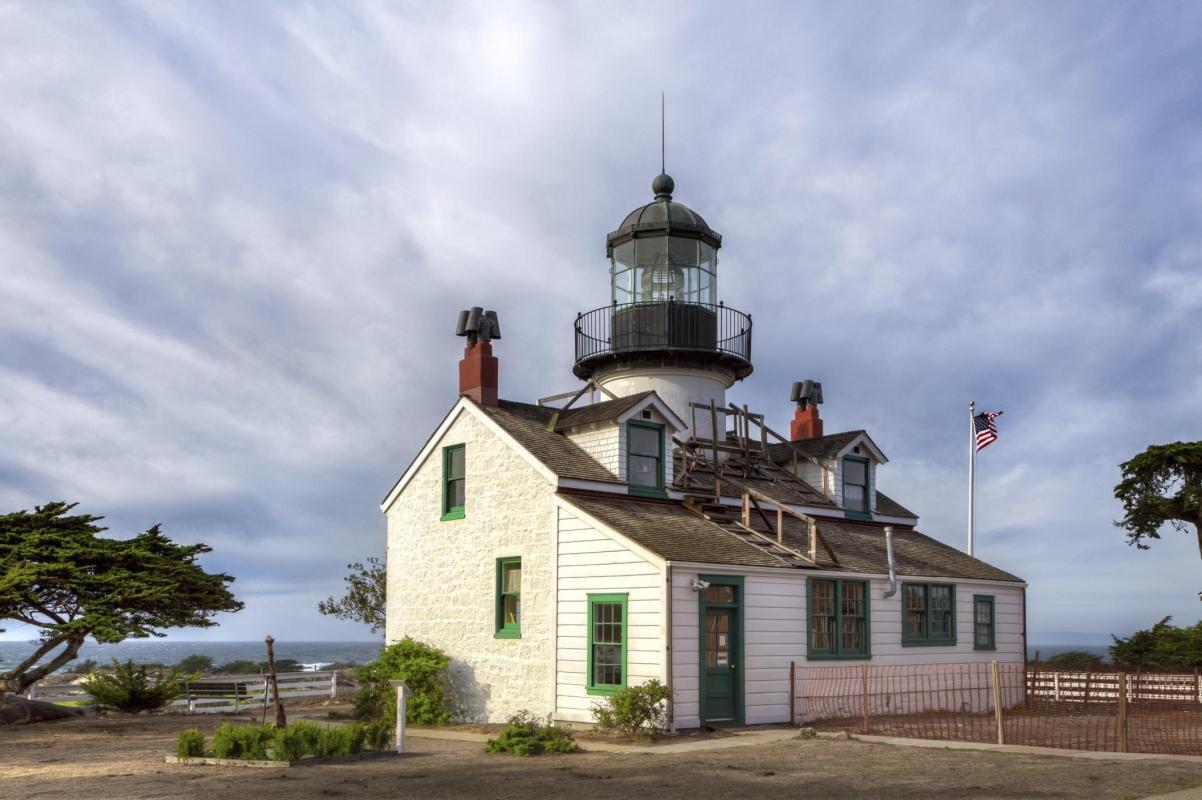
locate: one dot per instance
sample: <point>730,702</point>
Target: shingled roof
<point>607,411</point>
<point>527,424</point>
<point>890,507</point>
<point>821,447</point>
<point>674,533</point>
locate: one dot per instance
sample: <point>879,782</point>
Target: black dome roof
<point>663,214</point>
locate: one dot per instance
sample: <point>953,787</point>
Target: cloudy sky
<point>234,238</point>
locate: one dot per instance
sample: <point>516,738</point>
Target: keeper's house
<point>559,551</point>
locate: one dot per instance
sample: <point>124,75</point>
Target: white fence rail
<point>1090,687</point>
<point>218,693</point>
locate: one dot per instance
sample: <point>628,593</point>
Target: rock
<point>841,736</point>
<point>15,709</point>
<point>807,733</point>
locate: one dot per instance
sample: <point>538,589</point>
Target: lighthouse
<point>665,328</point>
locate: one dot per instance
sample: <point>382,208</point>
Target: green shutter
<point>846,630</point>
<point>984,623</point>
<point>509,598</point>
<point>454,481</point>
<point>936,619</point>
<point>607,632</point>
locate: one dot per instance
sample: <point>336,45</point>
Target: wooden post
<point>1088,675</point>
<point>1056,686</point>
<point>780,538</point>
<point>333,684</point>
<point>865,691</point>
<point>281,719</point>
<point>1122,712</point>
<point>746,517</point>
<point>792,692</point>
<point>997,700</point>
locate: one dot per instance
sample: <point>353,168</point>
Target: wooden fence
<point>218,693</point>
<point>1088,687</point>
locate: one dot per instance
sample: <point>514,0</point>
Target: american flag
<point>986,429</point>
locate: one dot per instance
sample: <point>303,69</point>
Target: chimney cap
<point>806,393</point>
<point>477,324</point>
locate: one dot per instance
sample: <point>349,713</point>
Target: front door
<point>721,650</point>
<point>720,665</point>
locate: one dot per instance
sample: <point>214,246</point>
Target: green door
<point>720,664</point>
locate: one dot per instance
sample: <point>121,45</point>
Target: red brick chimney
<point>478,373</point>
<point>806,424</point>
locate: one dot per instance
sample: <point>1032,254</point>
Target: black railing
<point>663,326</point>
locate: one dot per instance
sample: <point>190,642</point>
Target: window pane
<point>823,597</point>
<point>916,618</point>
<point>720,594</point>
<point>853,635</point>
<point>623,286</point>
<point>512,577</point>
<point>855,472</point>
<point>455,494</point>
<point>853,600</point>
<point>513,609</point>
<point>607,644</point>
<point>853,497</point>
<point>455,468</point>
<point>644,441</point>
<point>644,471</point>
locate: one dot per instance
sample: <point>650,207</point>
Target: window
<point>509,598</point>
<point>838,613</point>
<point>856,495</point>
<point>606,643</point>
<point>928,614</point>
<point>982,622</point>
<point>453,471</point>
<point>645,458</point>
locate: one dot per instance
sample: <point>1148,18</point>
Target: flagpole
<point>972,463</point>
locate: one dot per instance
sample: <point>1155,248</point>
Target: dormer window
<point>645,458</point>
<point>856,490</point>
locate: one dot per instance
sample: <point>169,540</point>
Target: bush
<point>295,741</point>
<point>381,735</point>
<point>1072,659</point>
<point>635,710</point>
<point>345,740</point>
<point>238,668</point>
<point>422,668</point>
<point>526,735</point>
<point>85,667</point>
<point>249,742</point>
<point>190,744</point>
<point>195,663</point>
<point>1163,647</point>
<point>133,689</point>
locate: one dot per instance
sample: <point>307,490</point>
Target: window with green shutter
<point>606,643</point>
<point>838,619</point>
<point>984,636</point>
<point>509,598</point>
<point>454,470</point>
<point>928,614</point>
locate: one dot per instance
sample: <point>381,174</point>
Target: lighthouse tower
<point>665,328</point>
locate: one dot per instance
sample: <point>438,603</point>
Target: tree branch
<point>21,682</point>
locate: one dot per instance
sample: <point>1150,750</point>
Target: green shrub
<point>295,741</point>
<point>195,663</point>
<point>133,689</point>
<point>249,742</point>
<point>85,667</point>
<point>1072,659</point>
<point>381,735</point>
<point>238,668</point>
<point>635,710</point>
<point>190,744</point>
<point>422,667</point>
<point>345,740</point>
<point>527,735</point>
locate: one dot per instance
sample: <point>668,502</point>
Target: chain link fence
<point>1004,703</point>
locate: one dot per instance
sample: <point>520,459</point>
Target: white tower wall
<point>677,388</point>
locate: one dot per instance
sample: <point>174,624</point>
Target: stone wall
<point>442,574</point>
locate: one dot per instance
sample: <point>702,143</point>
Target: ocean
<point>314,655</point>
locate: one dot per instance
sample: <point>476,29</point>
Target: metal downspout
<point>892,590</point>
<point>668,648</point>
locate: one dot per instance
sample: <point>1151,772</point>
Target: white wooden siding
<point>591,562</point>
<point>774,634</point>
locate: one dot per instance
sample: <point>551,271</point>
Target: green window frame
<point>984,623</point>
<point>864,511</point>
<point>838,619</point>
<point>652,456</point>
<point>607,630</point>
<point>454,481</point>
<point>509,598</point>
<point>928,614</point>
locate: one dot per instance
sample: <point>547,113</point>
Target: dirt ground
<point>122,757</point>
